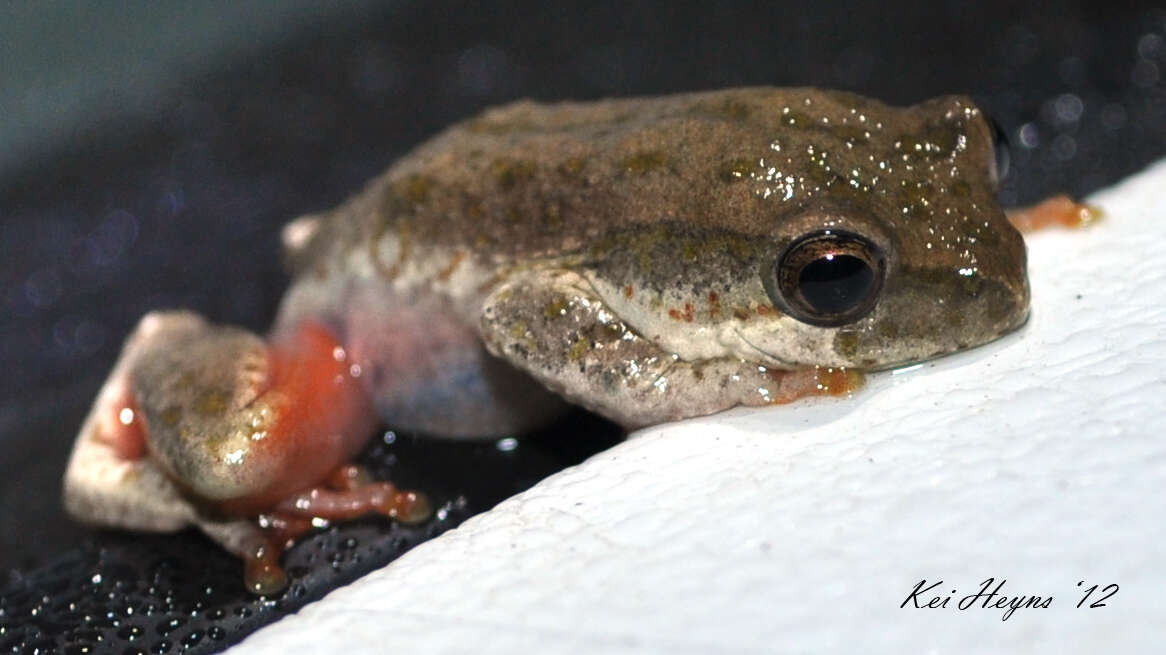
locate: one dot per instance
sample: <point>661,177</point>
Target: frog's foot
<point>593,359</point>
<point>1058,210</point>
<point>349,492</point>
<point>368,498</point>
<point>816,381</point>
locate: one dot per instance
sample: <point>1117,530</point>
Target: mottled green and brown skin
<point>616,250</point>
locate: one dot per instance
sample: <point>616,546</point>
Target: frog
<point>648,259</point>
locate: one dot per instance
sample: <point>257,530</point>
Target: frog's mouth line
<point>766,358</point>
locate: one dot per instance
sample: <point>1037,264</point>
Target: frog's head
<point>233,419</point>
<point>850,292</point>
<point>854,234</point>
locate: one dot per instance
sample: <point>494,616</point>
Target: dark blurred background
<point>149,153</point>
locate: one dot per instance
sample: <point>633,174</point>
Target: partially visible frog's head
<point>837,232</point>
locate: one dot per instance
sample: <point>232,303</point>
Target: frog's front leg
<point>1057,210</point>
<point>551,324</point>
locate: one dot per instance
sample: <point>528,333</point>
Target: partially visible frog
<point>649,259</point>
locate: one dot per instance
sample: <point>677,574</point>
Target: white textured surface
<point>1040,459</point>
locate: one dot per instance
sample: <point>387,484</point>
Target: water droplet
<point>1068,108</point>
<point>1150,45</point>
<point>1113,116</point>
<point>43,287</point>
<point>1145,73</point>
<point>1028,136</point>
<point>1065,147</point>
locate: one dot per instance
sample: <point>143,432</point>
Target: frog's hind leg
<point>1058,210</point>
<point>109,481</point>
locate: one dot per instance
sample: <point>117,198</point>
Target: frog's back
<point>531,180</point>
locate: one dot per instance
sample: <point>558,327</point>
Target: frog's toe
<point>1058,210</point>
<point>383,498</point>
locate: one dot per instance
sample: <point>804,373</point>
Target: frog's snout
<point>933,314</point>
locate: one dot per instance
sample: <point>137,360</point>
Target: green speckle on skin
<point>887,330</point>
<point>917,195</point>
<point>417,188</point>
<point>997,311</point>
<point>644,259</point>
<point>795,119</point>
<point>170,416</point>
<point>572,168</point>
<point>215,444</point>
<point>730,109</point>
<point>698,370</point>
<point>935,142</point>
<point>602,332</point>
<point>846,343</point>
<point>735,109</point>
<point>510,173</point>
<point>953,318</point>
<point>518,329</point>
<point>853,133</point>
<point>972,283</point>
<point>211,403</point>
<point>823,174</point>
<point>603,246</point>
<point>644,162</point>
<point>578,349</point>
<point>945,136</point>
<point>405,194</point>
<point>959,188</point>
<point>556,308</point>
<point>734,170</point>
<point>552,217</point>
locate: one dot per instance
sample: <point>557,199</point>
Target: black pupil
<point>835,284</point>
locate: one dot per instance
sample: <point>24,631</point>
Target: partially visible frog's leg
<point>232,426</point>
<point>550,324</point>
<point>1058,210</point>
<point>109,481</point>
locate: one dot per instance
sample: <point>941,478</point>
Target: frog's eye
<point>1000,146</point>
<point>828,278</point>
